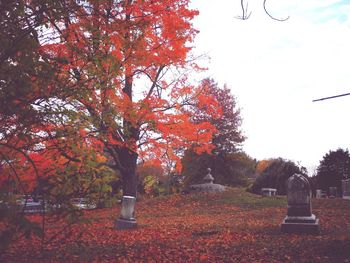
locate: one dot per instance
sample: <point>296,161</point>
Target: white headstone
<point>128,208</point>
<point>127,214</point>
<point>318,193</point>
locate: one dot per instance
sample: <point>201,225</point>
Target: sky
<point>275,70</point>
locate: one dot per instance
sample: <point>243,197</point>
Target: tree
<point>274,173</point>
<point>229,169</point>
<point>228,136</point>
<point>91,85</point>
<point>334,167</point>
<point>149,176</point>
<point>101,50</point>
<point>226,162</point>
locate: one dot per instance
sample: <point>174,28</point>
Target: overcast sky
<point>275,70</point>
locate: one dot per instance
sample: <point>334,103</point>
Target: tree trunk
<point>128,160</point>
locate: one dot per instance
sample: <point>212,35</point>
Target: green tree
<point>274,173</point>
<point>229,165</point>
<point>334,167</point>
<point>228,137</point>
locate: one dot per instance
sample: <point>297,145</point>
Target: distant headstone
<point>318,193</point>
<point>332,192</point>
<point>127,215</point>
<point>346,188</point>
<point>268,191</point>
<point>299,217</point>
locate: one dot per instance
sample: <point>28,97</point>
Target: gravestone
<point>268,191</point>
<point>332,192</point>
<point>345,184</point>
<point>127,215</point>
<point>299,217</point>
<point>318,193</point>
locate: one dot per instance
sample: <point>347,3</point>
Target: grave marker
<point>299,217</point>
<point>127,215</point>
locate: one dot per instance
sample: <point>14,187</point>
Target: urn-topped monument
<point>299,217</point>
<point>208,178</point>
<point>207,185</point>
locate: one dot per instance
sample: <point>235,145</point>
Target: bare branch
<point>272,17</point>
<point>154,83</point>
<point>245,14</point>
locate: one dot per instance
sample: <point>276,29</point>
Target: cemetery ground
<point>233,226</point>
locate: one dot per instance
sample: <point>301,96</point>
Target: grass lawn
<point>234,226</point>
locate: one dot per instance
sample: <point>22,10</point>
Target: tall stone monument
<point>299,217</point>
<point>127,215</point>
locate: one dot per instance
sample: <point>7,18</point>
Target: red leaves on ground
<point>197,228</point>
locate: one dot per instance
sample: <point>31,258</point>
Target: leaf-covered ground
<point>234,226</point>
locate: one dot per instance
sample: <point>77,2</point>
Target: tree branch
<point>272,17</point>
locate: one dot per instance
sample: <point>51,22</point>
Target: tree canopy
<point>228,165</point>
<point>334,166</point>
<point>273,173</point>
<point>108,86</point>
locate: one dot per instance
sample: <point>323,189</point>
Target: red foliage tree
<point>83,81</point>
<point>121,79</point>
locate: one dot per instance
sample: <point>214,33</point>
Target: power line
<point>332,97</point>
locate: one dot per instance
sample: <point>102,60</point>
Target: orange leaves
<point>106,47</point>
<point>195,228</point>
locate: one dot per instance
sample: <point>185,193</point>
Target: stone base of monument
<point>207,188</point>
<point>301,225</point>
<point>121,223</point>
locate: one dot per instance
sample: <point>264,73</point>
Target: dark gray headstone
<point>332,192</point>
<point>299,217</point>
<point>298,196</point>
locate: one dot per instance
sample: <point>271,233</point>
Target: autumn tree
<point>91,85</point>
<point>227,140</point>
<point>334,166</point>
<point>26,160</point>
<point>150,175</point>
<point>112,87</point>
